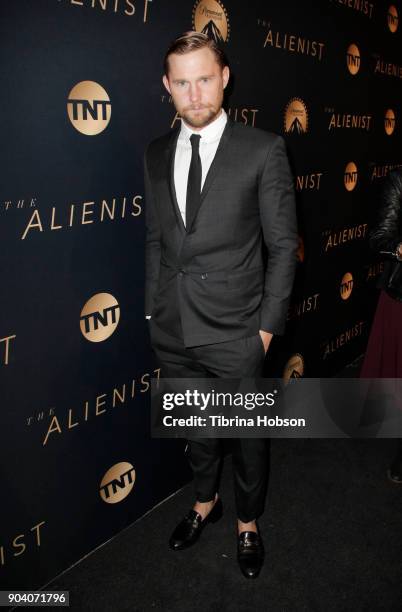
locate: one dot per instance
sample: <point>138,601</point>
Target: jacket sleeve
<point>279,225</point>
<point>385,236</point>
<point>152,243</point>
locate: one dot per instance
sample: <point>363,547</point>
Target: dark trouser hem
<point>204,458</point>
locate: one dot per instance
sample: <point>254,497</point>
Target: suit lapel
<point>170,155</point>
<point>213,169</point>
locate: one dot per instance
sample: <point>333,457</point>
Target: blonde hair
<point>191,41</point>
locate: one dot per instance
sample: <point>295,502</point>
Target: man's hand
<point>266,339</point>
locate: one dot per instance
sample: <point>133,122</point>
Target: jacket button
<point>204,276</point>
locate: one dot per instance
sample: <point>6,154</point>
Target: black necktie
<point>194,181</point>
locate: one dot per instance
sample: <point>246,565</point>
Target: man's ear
<point>166,82</point>
<point>225,76</point>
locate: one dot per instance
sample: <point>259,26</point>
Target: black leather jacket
<point>387,234</point>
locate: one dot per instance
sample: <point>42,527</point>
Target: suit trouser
<point>233,359</point>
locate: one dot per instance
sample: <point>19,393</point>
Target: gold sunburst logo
<point>210,17</point>
<point>296,117</point>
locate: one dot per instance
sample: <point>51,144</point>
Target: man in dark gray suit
<point>215,191</point>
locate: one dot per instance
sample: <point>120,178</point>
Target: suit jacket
<point>213,271</point>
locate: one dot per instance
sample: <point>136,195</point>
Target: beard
<point>200,118</point>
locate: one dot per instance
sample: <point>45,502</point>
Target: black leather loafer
<point>250,553</point>
<point>189,529</point>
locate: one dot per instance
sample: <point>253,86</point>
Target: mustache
<point>198,108</point>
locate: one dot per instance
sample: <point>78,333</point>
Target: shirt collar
<point>209,133</point>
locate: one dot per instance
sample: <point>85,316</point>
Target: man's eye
<point>205,79</point>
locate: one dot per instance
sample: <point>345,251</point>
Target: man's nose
<point>194,92</point>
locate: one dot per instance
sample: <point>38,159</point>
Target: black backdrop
<point>78,464</point>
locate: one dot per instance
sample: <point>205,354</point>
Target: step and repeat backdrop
<point>82,96</point>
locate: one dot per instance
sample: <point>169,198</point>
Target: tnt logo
<point>346,286</point>
<point>89,108</point>
<point>117,483</point>
<point>99,317</point>
<point>350,176</point>
<point>389,122</point>
<point>392,18</point>
<point>353,59</point>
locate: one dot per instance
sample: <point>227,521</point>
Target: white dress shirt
<point>210,137</point>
